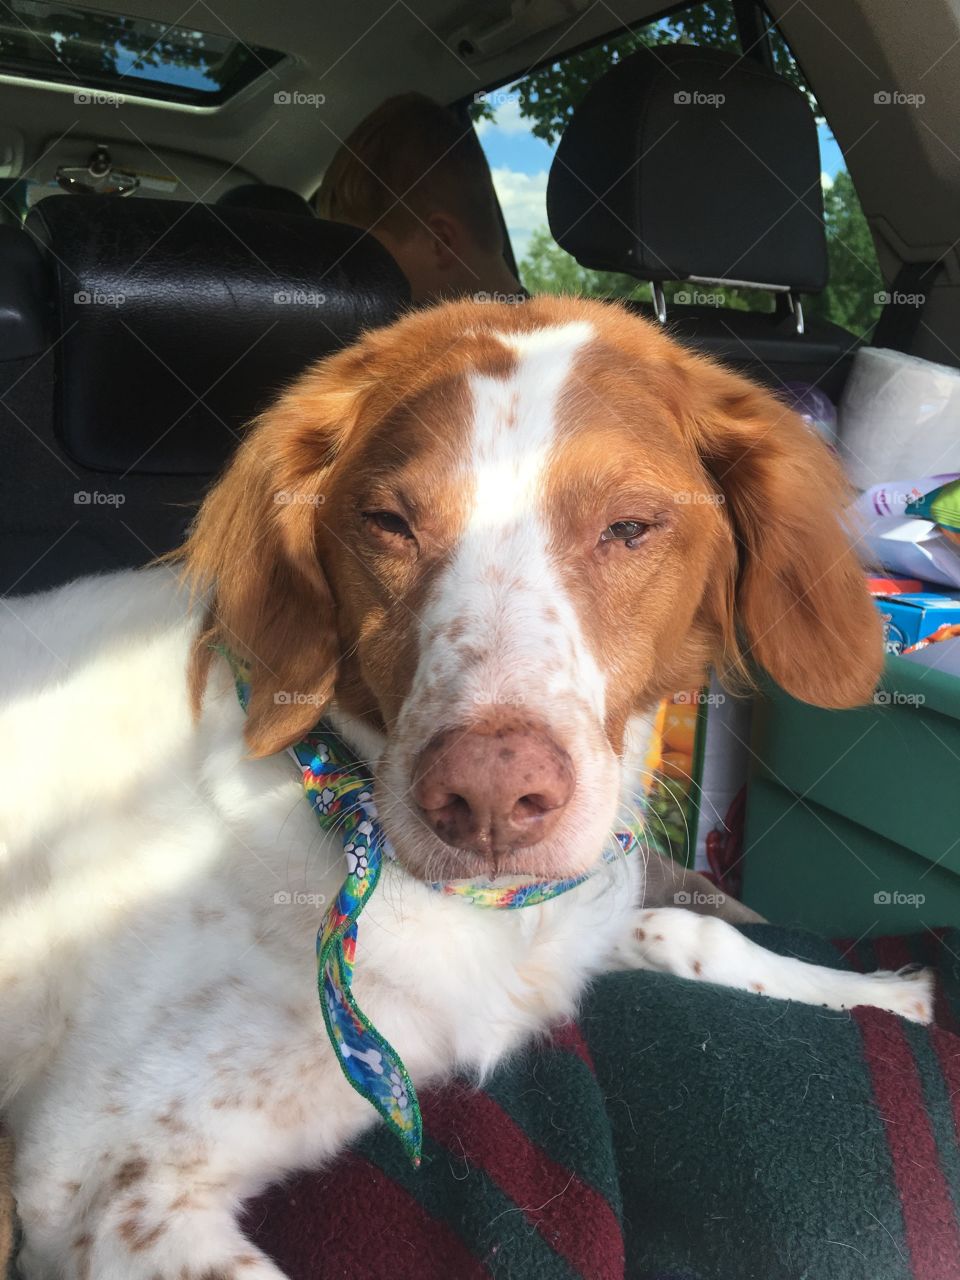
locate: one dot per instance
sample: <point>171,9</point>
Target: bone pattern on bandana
<point>340,791</point>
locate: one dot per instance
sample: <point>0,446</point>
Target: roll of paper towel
<point>899,416</point>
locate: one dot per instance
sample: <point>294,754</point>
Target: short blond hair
<point>408,159</point>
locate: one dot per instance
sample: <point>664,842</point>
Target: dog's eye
<point>389,522</point>
<point>629,531</point>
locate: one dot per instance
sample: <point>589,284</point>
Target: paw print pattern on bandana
<point>358,861</point>
<point>398,1090</point>
<point>325,801</point>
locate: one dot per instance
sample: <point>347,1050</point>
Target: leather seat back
<point>168,327</point>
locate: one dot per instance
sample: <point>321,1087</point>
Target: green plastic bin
<point>853,817</point>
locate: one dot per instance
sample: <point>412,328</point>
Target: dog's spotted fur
<point>162,1053</point>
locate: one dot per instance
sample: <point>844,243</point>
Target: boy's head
<point>415,176</point>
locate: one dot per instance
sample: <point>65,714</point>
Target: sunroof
<point>49,41</point>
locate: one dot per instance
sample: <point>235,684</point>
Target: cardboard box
<point>912,617</point>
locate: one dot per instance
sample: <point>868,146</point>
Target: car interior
<point>163,273</point>
<point>153,216</point>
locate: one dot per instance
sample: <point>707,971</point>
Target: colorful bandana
<point>340,790</point>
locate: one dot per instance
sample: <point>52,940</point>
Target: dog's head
<point>495,534</point>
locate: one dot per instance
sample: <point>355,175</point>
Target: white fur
<point>156,1002</point>
<point>162,1051</point>
<point>157,990</point>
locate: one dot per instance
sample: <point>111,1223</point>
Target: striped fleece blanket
<point>679,1131</point>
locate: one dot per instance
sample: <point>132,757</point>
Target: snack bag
<point>942,506</point>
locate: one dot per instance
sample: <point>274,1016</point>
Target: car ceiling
<point>905,162</point>
<point>354,55</point>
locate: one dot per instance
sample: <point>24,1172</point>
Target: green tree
<point>546,268</point>
<point>855,278</point>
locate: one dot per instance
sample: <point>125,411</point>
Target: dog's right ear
<point>253,552</point>
<point>801,601</point>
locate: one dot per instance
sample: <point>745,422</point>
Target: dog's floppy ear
<point>253,551</point>
<point>800,602</point>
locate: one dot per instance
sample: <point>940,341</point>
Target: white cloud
<point>826,181</point>
<point>523,198</point>
<point>507,118</point>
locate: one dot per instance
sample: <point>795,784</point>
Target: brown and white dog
<point>485,542</point>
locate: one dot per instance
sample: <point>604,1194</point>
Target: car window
<point>520,124</point>
<point>119,54</point>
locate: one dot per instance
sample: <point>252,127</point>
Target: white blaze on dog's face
<point>512,529</point>
<point>501,735</point>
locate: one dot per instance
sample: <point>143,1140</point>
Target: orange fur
<point>753,565</point>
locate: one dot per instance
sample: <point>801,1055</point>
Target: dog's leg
<point>671,940</point>
<point>140,1224</point>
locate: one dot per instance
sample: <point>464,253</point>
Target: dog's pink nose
<point>493,789</point>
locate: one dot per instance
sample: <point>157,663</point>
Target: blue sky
<point>520,163</point>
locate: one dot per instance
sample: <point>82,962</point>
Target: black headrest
<point>265,199</point>
<point>685,163</point>
<point>24,296</point>
<point>179,322</point>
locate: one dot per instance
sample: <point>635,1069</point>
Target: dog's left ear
<point>801,603</point>
<point>253,552</point>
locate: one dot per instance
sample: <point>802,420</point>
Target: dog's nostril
<point>530,807</point>
<point>450,818</point>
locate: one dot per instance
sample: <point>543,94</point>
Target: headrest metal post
<point>796,306</point>
<point>659,301</point>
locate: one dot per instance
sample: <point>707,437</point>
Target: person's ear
<point>447,242</point>
<point>801,609</point>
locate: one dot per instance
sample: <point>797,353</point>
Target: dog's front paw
<point>908,993</point>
